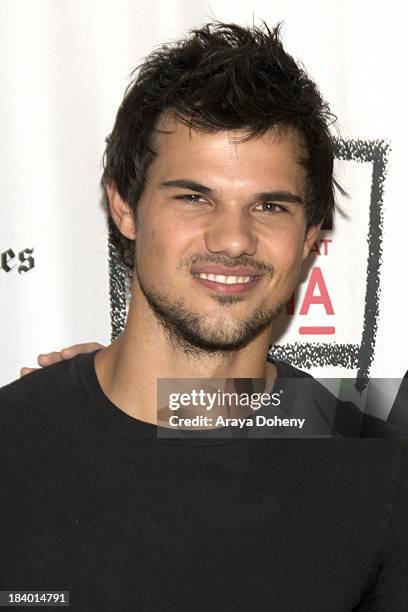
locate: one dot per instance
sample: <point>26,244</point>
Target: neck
<point>128,369</point>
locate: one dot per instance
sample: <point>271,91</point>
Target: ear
<point>121,213</point>
<point>310,238</point>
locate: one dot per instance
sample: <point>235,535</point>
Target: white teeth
<point>226,280</point>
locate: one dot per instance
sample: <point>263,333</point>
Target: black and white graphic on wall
<point>20,261</point>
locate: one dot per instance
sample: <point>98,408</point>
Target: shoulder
<point>25,402</point>
<point>389,589</point>
<point>310,396</point>
<point>286,370</point>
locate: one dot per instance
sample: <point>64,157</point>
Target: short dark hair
<point>222,76</point>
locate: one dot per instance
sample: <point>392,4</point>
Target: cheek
<point>160,247</point>
<point>285,251</point>
<point>147,250</point>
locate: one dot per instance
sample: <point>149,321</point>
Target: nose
<point>231,233</point>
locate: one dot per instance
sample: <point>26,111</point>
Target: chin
<point>217,331</point>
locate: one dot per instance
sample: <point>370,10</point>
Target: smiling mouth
<point>227,284</point>
<point>225,280</point>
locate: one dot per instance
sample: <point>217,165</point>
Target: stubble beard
<point>189,331</point>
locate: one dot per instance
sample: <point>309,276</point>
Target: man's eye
<point>271,207</point>
<point>191,197</point>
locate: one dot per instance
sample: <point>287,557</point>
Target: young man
<point>218,175</point>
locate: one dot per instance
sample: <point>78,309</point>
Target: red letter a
<point>316,278</point>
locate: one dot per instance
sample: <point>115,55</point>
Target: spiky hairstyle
<point>221,77</point>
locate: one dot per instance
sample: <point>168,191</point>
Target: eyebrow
<point>187,184</point>
<point>277,195</point>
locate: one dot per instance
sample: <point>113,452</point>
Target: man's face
<point>220,234</point>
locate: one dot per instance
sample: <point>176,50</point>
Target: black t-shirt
<point>399,411</point>
<point>94,503</point>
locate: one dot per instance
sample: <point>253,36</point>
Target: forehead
<point>228,158</point>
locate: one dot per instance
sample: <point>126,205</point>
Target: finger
<point>24,371</point>
<point>77,349</point>
<point>46,359</point>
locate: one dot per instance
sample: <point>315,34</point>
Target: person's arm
<point>46,359</point>
<point>389,592</point>
<point>399,412</point>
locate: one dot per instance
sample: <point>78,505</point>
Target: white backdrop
<point>64,67</point>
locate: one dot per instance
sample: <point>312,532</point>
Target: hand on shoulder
<point>46,359</point>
